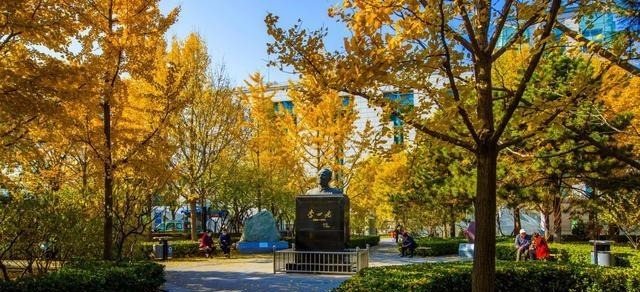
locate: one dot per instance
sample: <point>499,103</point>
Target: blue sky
<point>235,32</point>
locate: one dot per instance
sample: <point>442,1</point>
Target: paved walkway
<point>255,272</point>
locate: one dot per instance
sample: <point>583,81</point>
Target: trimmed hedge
<point>93,276</point>
<point>181,248</point>
<point>437,246</point>
<point>575,253</point>
<point>189,248</point>
<point>361,241</point>
<point>175,234</point>
<point>510,276</point>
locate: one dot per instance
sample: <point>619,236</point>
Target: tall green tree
<point>443,178</point>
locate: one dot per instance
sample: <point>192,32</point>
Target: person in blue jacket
<point>225,243</point>
<point>522,244</point>
<point>408,244</point>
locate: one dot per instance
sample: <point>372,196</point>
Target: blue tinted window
<point>286,105</point>
<point>346,100</point>
<point>404,99</point>
<point>598,27</point>
<point>398,136</point>
<point>506,33</point>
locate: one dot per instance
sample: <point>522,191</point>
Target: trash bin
<point>603,249</point>
<point>163,249</point>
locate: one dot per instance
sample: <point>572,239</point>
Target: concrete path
<point>255,272</point>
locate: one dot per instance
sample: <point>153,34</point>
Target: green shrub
<point>175,234</point>
<point>181,249</point>
<point>438,246</point>
<point>361,241</point>
<point>575,253</point>
<point>510,276</point>
<point>94,276</point>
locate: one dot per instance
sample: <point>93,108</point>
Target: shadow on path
<point>238,281</point>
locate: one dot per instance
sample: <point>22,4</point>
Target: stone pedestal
<point>322,222</point>
<point>246,247</point>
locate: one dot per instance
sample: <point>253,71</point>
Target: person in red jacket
<point>542,249</point>
<point>206,243</point>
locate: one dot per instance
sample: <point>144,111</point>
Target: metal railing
<point>349,261</point>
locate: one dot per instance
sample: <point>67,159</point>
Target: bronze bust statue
<point>324,177</point>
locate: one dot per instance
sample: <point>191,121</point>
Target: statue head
<point>324,177</point>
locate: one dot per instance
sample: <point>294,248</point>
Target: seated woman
<point>542,249</point>
<point>206,243</point>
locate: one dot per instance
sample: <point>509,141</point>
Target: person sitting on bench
<point>225,243</point>
<point>408,244</point>
<point>206,243</point>
<point>522,243</point>
<point>542,248</point>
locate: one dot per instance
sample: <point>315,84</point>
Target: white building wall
<point>366,113</point>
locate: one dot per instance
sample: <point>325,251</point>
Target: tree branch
<point>500,25</point>
<point>467,24</point>
<point>416,124</point>
<point>606,150</point>
<point>452,82</point>
<point>517,36</point>
<point>598,49</point>
<point>533,64</point>
<point>456,36</point>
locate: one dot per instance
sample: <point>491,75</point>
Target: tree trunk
<point>590,226</point>
<point>120,245</point>
<point>613,231</point>
<point>205,215</point>
<point>517,225</point>
<point>483,276</point>
<point>5,273</point>
<point>193,218</point>
<point>452,223</point>
<point>557,217</point>
<point>546,224</point>
<point>498,225</point>
<point>108,183</point>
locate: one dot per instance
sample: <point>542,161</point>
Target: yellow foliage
<point>373,184</point>
<point>620,93</point>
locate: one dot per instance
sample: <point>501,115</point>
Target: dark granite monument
<point>322,217</point>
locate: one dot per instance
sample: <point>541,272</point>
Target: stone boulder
<point>260,227</point>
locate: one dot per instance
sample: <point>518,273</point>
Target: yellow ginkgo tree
<point>445,50</point>
<point>271,146</point>
<point>132,89</point>
<point>207,127</point>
